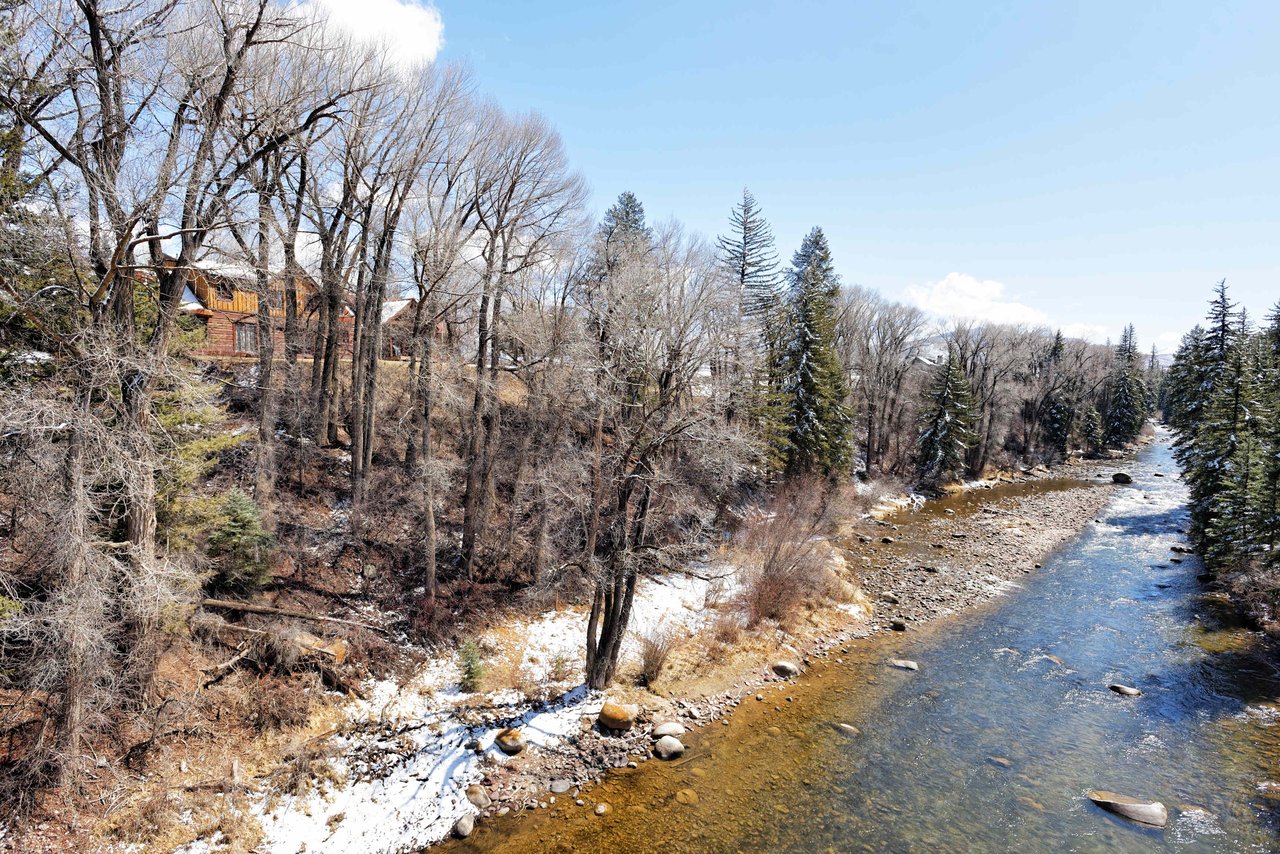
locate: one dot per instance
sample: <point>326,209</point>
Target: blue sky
<point>1090,164</point>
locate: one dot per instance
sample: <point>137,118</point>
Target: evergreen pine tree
<point>751,263</point>
<point>240,547</point>
<point>1235,428</point>
<point>622,232</point>
<point>1127,402</point>
<point>1091,430</point>
<point>749,255</point>
<point>813,381</point>
<point>947,425</point>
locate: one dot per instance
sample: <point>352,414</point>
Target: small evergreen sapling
<point>240,547</point>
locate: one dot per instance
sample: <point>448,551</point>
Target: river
<point>993,743</point>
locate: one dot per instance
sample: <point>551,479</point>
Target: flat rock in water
<point>559,787</point>
<point>847,729</point>
<point>1121,477</point>
<point>903,664</point>
<point>668,747</point>
<point>1125,690</point>
<point>1143,812</point>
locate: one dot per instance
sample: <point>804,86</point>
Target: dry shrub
<point>562,668</point>
<point>231,826</point>
<point>655,648</point>
<point>307,766</point>
<point>780,555</point>
<point>727,629</point>
<point>371,653</point>
<point>276,702</point>
<point>156,814</point>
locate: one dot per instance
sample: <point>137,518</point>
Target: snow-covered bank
<point>405,756</point>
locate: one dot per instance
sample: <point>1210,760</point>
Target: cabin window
<point>246,338</point>
<point>223,290</point>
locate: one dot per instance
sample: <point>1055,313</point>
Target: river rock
<point>847,729</point>
<point>1182,550</point>
<point>1121,477</point>
<point>1144,812</point>
<point>785,669</point>
<point>603,809</point>
<point>668,747</point>
<point>903,664</point>
<point>478,796</point>
<point>671,728</point>
<point>511,741</point>
<point>887,540</point>
<point>1125,690</point>
<point>898,625</point>
<point>559,787</point>
<point>617,716</point>
<point>463,826</point>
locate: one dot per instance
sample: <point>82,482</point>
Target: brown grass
<point>656,645</point>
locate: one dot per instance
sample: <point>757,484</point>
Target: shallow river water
<point>993,744</point>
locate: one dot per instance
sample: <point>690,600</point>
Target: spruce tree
<point>813,381</point>
<point>947,425</point>
<point>1127,401</point>
<point>751,260</point>
<point>751,264</point>
<point>1091,430</point>
<point>622,232</point>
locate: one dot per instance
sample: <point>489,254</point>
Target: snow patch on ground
<point>404,761</point>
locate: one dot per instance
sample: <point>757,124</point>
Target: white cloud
<point>960,295</point>
<point>1095,332</point>
<point>412,31</point>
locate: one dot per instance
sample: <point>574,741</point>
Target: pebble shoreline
<point>971,560</point>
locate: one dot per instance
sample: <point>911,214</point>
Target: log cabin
<point>226,302</point>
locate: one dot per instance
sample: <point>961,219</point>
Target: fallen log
<point>249,608</point>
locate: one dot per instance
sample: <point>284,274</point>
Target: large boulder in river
<point>1144,812</point>
<point>510,741</point>
<point>618,716</point>
<point>1121,477</point>
<point>668,747</point>
<point>1125,690</point>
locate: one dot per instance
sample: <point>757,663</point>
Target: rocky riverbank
<point>916,565</point>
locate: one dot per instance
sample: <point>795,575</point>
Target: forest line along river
<point>993,743</point>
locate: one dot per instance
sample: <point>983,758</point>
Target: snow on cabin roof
<point>190,302</point>
<point>392,307</point>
